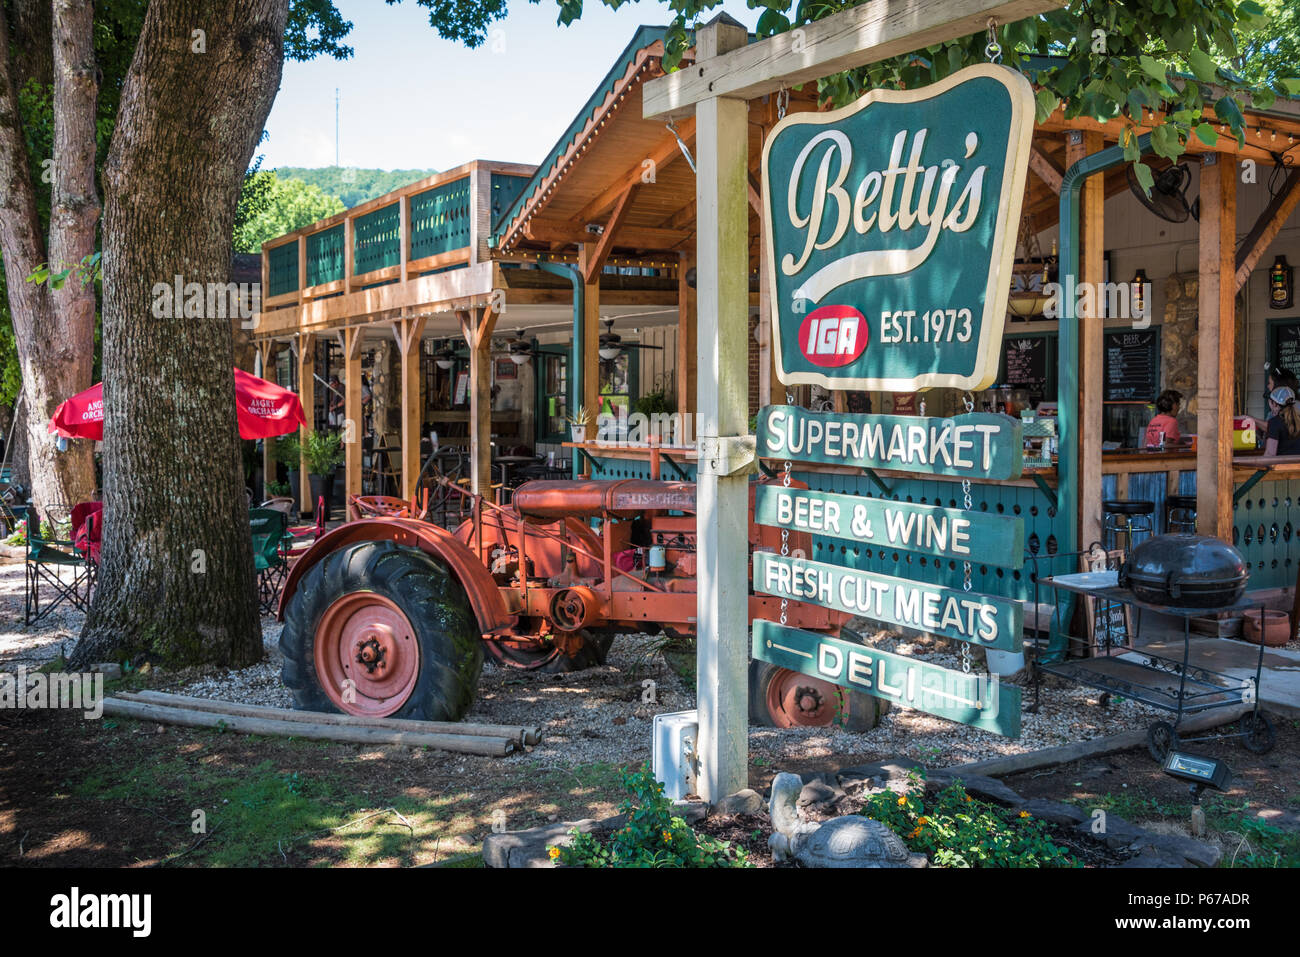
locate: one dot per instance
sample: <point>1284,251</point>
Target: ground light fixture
<point>1200,772</point>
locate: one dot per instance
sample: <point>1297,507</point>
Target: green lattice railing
<point>282,269</point>
<point>377,240</point>
<point>440,220</point>
<point>505,190</point>
<point>325,256</point>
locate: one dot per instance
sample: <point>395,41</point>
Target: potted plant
<point>323,452</point>
<point>578,424</point>
<point>287,453</point>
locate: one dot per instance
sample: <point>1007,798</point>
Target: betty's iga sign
<point>890,232</point>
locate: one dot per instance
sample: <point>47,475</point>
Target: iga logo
<point>833,335</point>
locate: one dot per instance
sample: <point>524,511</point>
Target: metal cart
<point>1156,680</point>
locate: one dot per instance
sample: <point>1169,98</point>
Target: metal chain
<point>969,401</point>
<point>782,102</point>
<point>993,49</point>
<point>785,534</point>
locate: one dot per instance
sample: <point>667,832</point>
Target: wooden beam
<point>855,37</point>
<point>1092,236</point>
<point>352,431</point>
<point>1217,350</point>
<point>631,237</point>
<point>1045,169</point>
<point>409,331</point>
<point>596,261</point>
<point>1266,228</point>
<point>664,153</point>
<point>755,193</point>
<point>686,340</point>
<point>476,326</point>
<point>306,358</point>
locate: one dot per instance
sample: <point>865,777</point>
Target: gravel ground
<point>599,715</point>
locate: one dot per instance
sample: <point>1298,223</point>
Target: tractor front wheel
<point>781,698</point>
<point>381,630</point>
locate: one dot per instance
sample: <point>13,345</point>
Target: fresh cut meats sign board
<point>890,228</point>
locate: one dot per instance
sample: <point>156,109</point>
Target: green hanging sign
<point>890,232</point>
<point>976,445</point>
<point>980,701</point>
<point>879,523</point>
<point>988,621</point>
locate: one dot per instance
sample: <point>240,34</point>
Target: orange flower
<point>922,820</point>
<point>968,798</point>
<point>668,835</point>
<point>902,801</point>
<point>914,832</point>
<point>1024,814</point>
<point>554,852</point>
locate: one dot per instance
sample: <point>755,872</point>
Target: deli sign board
<point>976,700</point>
<point>890,228</point>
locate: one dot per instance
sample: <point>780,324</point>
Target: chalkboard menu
<point>1284,344</point>
<point>1132,366</point>
<point>1029,363</point>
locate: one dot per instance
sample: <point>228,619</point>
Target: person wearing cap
<point>1283,423</point>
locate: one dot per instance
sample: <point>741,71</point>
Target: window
<point>552,395</point>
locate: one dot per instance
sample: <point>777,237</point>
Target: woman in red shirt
<point>1166,420</point>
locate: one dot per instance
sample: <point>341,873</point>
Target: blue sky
<point>411,100</point>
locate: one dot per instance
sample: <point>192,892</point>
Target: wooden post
<point>477,328</point>
<point>1078,145</point>
<point>722,290</point>
<point>352,409</point>
<point>686,327</point>
<point>590,350</point>
<point>267,350</point>
<point>1217,347</point>
<point>409,332</point>
<point>306,395</point>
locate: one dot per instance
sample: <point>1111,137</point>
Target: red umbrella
<point>263,408</point>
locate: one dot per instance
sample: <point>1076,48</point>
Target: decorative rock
<point>109,669</point>
<point>782,804</point>
<point>816,792</point>
<point>976,785</point>
<point>1176,845</point>
<point>692,812</point>
<point>747,801</point>
<point>1118,833</point>
<point>528,848</point>
<point>1152,858</point>
<point>1054,812</point>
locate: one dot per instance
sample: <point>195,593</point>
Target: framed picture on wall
<point>506,369</point>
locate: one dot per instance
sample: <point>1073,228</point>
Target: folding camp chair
<point>54,564</point>
<point>271,538</point>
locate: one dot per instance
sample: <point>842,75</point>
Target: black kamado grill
<point>1189,571</point>
<point>1166,581</point>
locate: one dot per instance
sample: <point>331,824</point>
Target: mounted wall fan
<point>1168,198</point>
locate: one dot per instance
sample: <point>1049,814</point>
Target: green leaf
<point>1291,84</point>
<point>1151,68</point>
<point>1046,103</point>
<point>1203,65</point>
<point>1144,176</point>
<point>1206,134</point>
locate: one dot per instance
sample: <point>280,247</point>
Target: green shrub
<point>652,837</point>
<point>956,830</point>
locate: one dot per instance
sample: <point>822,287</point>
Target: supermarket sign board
<point>890,233</point>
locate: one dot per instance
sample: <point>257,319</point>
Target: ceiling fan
<point>519,348</point>
<point>612,345</point>
<point>1168,198</point>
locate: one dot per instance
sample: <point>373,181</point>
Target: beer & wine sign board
<point>890,233</point>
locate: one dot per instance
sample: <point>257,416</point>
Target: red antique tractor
<point>391,615</point>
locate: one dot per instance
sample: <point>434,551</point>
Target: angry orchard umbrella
<point>263,408</point>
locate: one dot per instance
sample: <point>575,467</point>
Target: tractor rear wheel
<point>381,630</point>
<point>781,698</point>
<point>549,659</point>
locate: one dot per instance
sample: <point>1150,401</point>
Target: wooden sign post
<point>727,73</point>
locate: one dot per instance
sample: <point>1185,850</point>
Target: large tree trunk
<point>176,574</point>
<point>54,330</point>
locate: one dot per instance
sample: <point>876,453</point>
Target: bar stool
<point>1124,521</point>
<point>1180,514</point>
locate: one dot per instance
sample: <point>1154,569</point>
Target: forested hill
<point>352,185</point>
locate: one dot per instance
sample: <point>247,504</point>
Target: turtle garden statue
<point>849,841</point>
